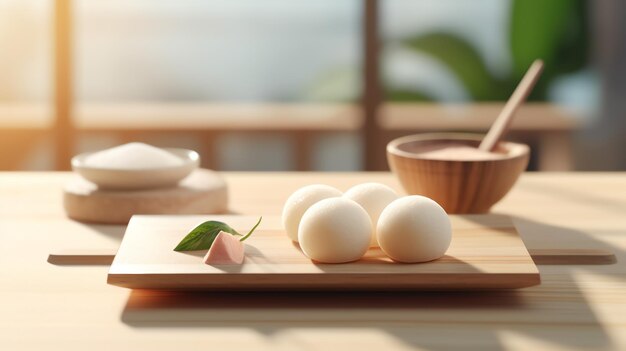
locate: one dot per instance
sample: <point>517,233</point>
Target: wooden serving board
<point>486,253</point>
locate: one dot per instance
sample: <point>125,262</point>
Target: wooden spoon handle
<point>540,256</point>
<point>502,123</point>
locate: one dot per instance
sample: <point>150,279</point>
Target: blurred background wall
<point>241,71</point>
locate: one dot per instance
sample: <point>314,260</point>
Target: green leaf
<point>202,236</point>
<point>536,30</point>
<point>555,31</point>
<point>464,62</point>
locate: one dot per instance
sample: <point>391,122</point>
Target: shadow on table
<point>413,318</point>
<point>546,236</point>
<point>404,316</point>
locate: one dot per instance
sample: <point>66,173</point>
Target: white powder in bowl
<point>133,156</point>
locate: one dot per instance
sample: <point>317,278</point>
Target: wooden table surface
<point>52,307</point>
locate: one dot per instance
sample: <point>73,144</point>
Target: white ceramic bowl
<point>146,178</point>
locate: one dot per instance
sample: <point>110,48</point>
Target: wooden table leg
<point>555,152</point>
<point>209,153</point>
<point>64,131</point>
<point>304,150</point>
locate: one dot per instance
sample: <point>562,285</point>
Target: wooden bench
<point>553,127</point>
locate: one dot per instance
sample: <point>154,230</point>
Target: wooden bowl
<point>459,185</point>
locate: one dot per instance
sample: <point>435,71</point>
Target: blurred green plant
<point>553,30</point>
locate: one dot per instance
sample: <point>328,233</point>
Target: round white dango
<point>300,201</point>
<point>335,230</point>
<point>373,197</point>
<point>414,229</point>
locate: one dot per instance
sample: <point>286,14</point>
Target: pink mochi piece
<point>226,249</point>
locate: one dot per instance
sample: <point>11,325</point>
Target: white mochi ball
<point>335,230</point>
<point>414,229</point>
<point>373,197</point>
<point>300,201</point>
